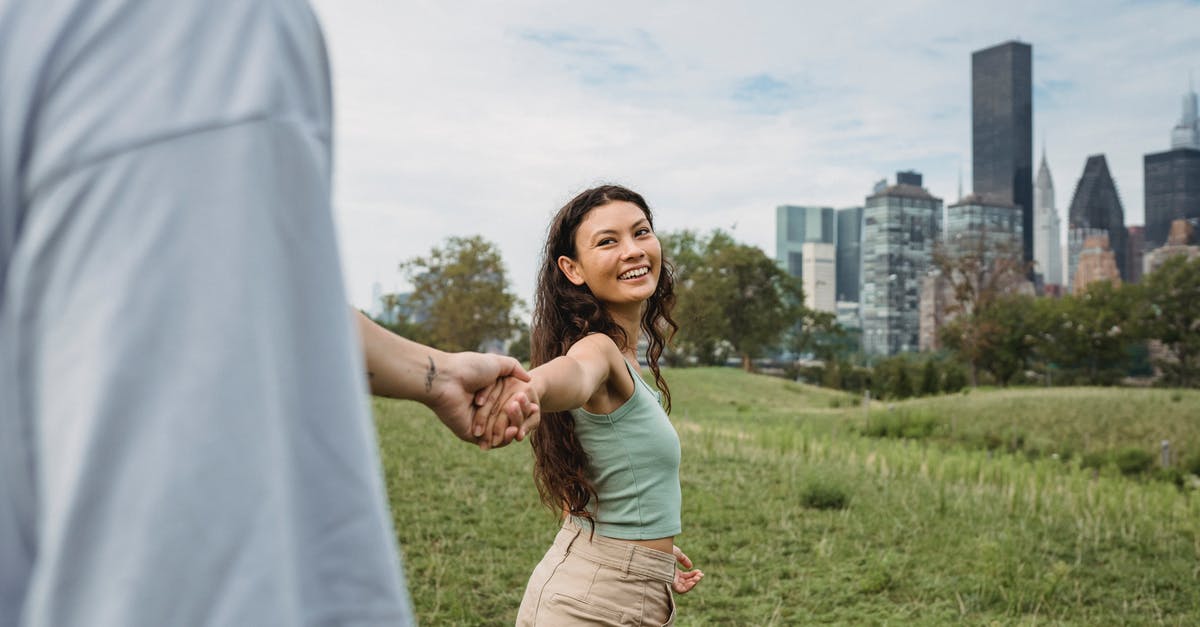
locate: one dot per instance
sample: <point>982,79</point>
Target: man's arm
<point>451,384</point>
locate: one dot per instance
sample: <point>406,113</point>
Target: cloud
<point>483,121</point>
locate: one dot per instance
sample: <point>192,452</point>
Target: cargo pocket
<point>670,607</point>
<point>565,607</point>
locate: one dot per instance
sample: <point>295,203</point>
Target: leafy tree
<point>979,276</point>
<point>394,318</point>
<point>1009,342</point>
<point>1169,314</point>
<point>732,298</point>
<point>930,383</point>
<point>953,378</point>
<point>817,333</point>
<point>461,297</point>
<point>902,387</point>
<point>520,348</point>
<point>1088,335</point>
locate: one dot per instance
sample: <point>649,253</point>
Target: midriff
<point>666,545</point>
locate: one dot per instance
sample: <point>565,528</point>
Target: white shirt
<point>184,432</point>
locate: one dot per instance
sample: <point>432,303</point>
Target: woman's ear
<point>570,269</point>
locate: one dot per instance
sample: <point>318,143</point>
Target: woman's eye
<point>642,231</point>
<point>606,241</point>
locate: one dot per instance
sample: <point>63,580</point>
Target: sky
<point>458,118</point>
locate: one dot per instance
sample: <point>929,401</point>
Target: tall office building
<point>1172,178</point>
<point>1076,237</point>
<point>1136,255</point>
<point>1047,238</point>
<point>795,225</point>
<point>1097,205</point>
<point>849,253</point>
<point>901,224</point>
<point>1181,241</point>
<point>1002,130</point>
<point>818,276</point>
<point>1097,262</point>
<point>976,226</point>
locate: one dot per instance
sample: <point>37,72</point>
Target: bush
<point>1130,461</point>
<point>823,493</point>
<point>902,424</point>
<point>953,379</point>
<point>1192,464</point>
<point>930,384</point>
<point>1133,461</point>
<point>1094,459</point>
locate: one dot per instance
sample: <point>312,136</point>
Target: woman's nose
<point>632,250</point>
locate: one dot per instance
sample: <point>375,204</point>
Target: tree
<point>1088,335</point>
<point>817,333</point>
<point>461,297</point>
<point>1169,314</point>
<point>732,298</point>
<point>930,380</point>
<point>979,275</point>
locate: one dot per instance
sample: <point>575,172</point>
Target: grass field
<point>932,531</point>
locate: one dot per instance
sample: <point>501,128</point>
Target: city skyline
<point>454,122</point>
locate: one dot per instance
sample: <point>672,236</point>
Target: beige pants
<point>599,581</point>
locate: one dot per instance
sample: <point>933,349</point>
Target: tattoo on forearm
<point>370,375</point>
<point>429,375</point>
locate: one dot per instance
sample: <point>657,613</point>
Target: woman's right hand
<point>517,405</point>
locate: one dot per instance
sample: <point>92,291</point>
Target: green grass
<point>930,531</point>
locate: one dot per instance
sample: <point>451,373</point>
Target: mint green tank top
<point>633,461</point>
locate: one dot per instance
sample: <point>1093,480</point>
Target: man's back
<point>184,437</point>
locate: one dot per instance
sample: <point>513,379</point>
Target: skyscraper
<point>990,229</point>
<point>1097,205</point>
<point>1047,238</point>
<point>1172,178</point>
<point>1135,258</point>
<point>900,226</point>
<point>849,253</point>
<point>818,276</point>
<point>1002,130</point>
<point>795,225</point>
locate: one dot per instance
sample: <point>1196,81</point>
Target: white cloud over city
<point>464,118</point>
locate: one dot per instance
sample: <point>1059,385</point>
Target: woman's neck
<point>629,320</point>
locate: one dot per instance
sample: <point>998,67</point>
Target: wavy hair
<point>564,313</point>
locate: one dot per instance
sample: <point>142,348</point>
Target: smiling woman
<point>606,455</point>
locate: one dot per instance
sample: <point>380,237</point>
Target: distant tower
<point>804,246</point>
<point>1186,134</point>
<point>901,224</point>
<point>1047,239</point>
<point>1002,130</point>
<point>1173,177</point>
<point>1096,263</point>
<point>1097,205</point>
<point>849,253</point>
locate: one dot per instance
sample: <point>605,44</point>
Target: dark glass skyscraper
<point>1096,205</point>
<point>1002,130</point>
<point>1172,191</point>
<point>849,253</point>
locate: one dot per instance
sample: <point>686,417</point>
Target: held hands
<point>507,409</point>
<point>685,580</point>
<point>463,385</point>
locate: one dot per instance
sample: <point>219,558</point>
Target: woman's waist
<point>653,557</point>
<point>663,545</point>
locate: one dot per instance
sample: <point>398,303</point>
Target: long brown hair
<point>564,313</point>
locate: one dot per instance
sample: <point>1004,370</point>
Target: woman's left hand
<point>685,580</point>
